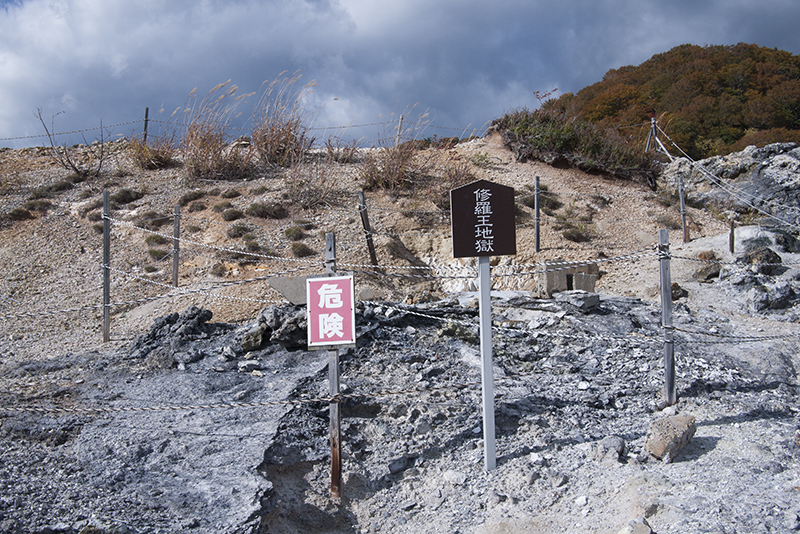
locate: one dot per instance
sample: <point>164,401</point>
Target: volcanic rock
<point>666,437</point>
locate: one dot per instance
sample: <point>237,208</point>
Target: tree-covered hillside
<point>710,100</point>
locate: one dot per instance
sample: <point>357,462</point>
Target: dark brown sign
<point>482,218</point>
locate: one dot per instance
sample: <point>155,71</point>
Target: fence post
<point>732,237</point>
<point>362,209</point>
<point>399,132</point>
<point>106,267</point>
<point>682,195</point>
<point>670,391</point>
<point>144,136</point>
<point>333,381</point>
<point>176,245</point>
<point>536,219</point>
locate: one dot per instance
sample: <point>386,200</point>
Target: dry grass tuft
<point>207,152</point>
<point>280,136</point>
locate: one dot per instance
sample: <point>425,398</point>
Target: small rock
<point>228,353</point>
<point>637,526</point>
<point>557,479</point>
<point>708,270</point>
<point>678,292</point>
<point>253,338</point>
<point>248,366</point>
<point>583,300</point>
<point>582,501</point>
<point>763,260</point>
<point>398,465</point>
<point>456,478</point>
<point>611,447</point>
<point>666,437</point>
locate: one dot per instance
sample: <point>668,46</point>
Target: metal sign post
<point>330,307</point>
<point>482,215</point>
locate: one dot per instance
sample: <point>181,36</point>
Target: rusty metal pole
<point>146,119</point>
<point>362,209</point>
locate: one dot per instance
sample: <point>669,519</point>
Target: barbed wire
<point>735,193</point>
<point>70,132</point>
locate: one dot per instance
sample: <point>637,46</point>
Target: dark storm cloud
<point>463,62</point>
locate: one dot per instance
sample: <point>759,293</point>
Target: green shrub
<point>156,240</point>
<point>50,191</point>
<point>150,269</point>
<point>152,220</point>
<point>126,196</point>
<point>230,193</point>
<point>551,135</point>
<point>669,222</point>
<point>95,216</point>
<point>191,196</point>
<point>20,214</point>
<point>219,269</point>
<point>157,254</point>
<point>98,228</point>
<point>193,229</point>
<point>222,206</point>
<point>267,211</point>
<point>194,207</point>
<point>301,250</point>
<point>232,215</point>
<point>238,230</point>
<point>294,233</point>
<point>579,233</point>
<point>40,205</point>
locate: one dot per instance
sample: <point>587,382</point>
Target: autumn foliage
<point>710,100</point>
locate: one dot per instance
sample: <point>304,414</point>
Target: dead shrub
<point>309,185</point>
<point>341,152</point>
<point>160,154</point>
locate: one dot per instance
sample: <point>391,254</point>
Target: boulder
<point>710,269</point>
<point>763,260</point>
<point>666,437</point>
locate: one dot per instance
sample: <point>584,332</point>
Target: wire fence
<point>352,238</point>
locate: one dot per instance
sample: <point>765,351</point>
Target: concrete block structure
<point>565,278</point>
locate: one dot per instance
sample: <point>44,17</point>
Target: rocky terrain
<point>207,414</point>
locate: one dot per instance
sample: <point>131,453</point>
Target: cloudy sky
<point>463,62</point>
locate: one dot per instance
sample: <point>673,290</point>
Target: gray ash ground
<point>574,379</point>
